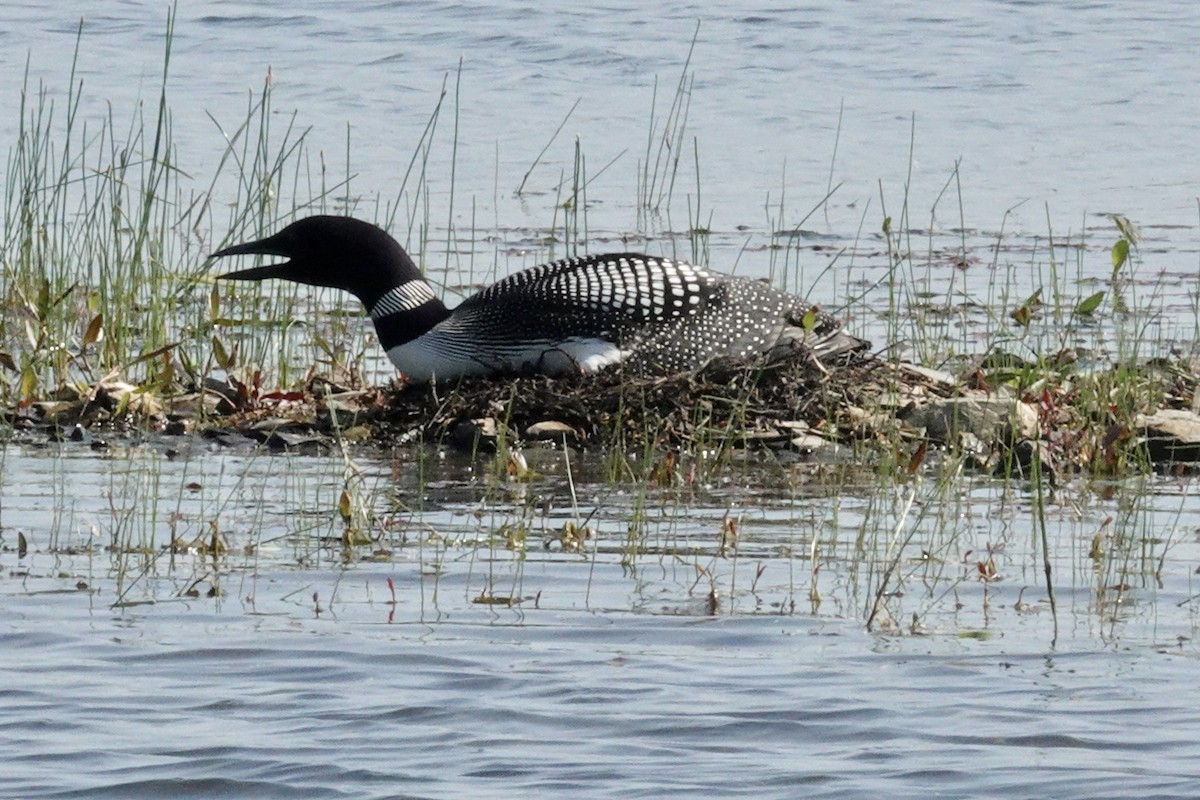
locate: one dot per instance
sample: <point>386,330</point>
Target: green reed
<point>105,235</point>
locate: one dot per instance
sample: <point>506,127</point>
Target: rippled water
<point>648,664</point>
<point>444,660</point>
<point>1086,109</point>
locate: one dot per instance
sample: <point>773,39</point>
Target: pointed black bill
<point>257,273</point>
<point>265,247</point>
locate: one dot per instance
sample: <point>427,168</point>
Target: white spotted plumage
<point>582,314</point>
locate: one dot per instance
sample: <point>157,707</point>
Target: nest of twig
<point>609,406</point>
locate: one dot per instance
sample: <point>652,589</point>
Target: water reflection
<point>449,537</point>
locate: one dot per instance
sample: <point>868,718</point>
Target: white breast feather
<point>436,355</point>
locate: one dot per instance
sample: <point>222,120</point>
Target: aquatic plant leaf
<point>729,536</point>
<point>1120,254</point>
<point>123,401</point>
<point>346,506</point>
<point>185,361</point>
<point>216,545</point>
<point>1088,305</point>
<point>323,344</point>
<point>29,383</point>
<point>1128,230</point>
<point>43,299</point>
<point>918,458</point>
<point>809,321</point>
<point>165,376</point>
<point>95,330</point>
<point>1024,313</point>
<point>224,359</point>
<point>987,569</point>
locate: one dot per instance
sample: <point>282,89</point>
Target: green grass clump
<point>104,236</point>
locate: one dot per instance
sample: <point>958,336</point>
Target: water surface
<point>440,660</point>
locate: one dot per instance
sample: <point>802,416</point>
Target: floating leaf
<point>95,330</point>
<point>22,544</point>
<point>1088,306</point>
<point>1120,254</point>
<point>489,599</point>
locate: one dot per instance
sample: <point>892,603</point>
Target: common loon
<point>652,315</point>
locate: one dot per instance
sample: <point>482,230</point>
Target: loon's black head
<point>339,252</point>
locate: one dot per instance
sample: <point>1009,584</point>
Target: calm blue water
<point>610,677</point>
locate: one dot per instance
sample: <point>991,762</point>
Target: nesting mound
<point>726,398</point>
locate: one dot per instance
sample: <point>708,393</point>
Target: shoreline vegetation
<point>112,322</point>
<point>892,409</point>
